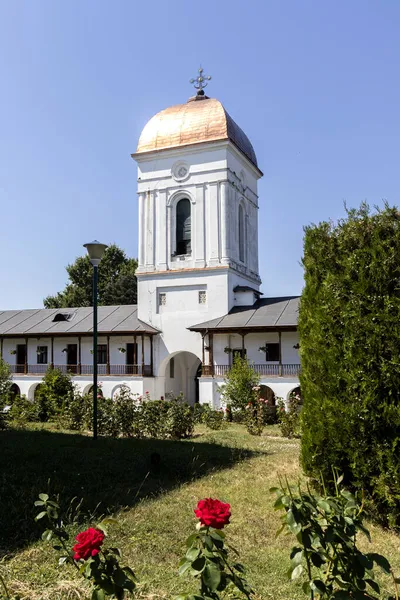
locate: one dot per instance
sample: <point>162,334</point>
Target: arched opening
<point>37,391</point>
<point>14,392</point>
<point>183,227</point>
<point>99,392</point>
<point>270,409</point>
<point>295,394</point>
<point>180,372</point>
<point>122,387</point>
<point>267,394</point>
<point>241,233</point>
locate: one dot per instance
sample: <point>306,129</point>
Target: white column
<point>161,232</point>
<point>224,228</point>
<point>141,229</point>
<point>198,246</point>
<point>213,224</point>
<point>149,228</point>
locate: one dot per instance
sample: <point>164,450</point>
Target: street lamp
<point>95,251</point>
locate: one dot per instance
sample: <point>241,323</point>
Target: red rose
<point>213,513</point>
<point>89,543</point>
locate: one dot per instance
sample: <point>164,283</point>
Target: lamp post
<point>95,250</point>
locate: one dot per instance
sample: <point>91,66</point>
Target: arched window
<point>183,227</point>
<point>241,233</point>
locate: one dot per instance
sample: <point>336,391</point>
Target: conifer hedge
<point>350,353</point>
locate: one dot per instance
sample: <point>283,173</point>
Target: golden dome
<point>200,120</point>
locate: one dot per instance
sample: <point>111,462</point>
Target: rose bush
<point>97,564</point>
<point>208,560</point>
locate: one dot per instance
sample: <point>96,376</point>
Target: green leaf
<point>119,577</point>
<point>40,515</point>
<point>211,576</point>
<point>191,539</point>
<point>44,497</point>
<point>47,535</point>
<point>324,505</point>
<point>318,586</point>
<point>192,554</point>
<point>184,567</point>
<point>296,556</point>
<point>297,571</point>
<point>39,503</point>
<point>98,594</point>
<point>199,564</point>
<point>130,574</point>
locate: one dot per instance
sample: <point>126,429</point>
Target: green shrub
<point>5,383</point>
<point>179,422</point>
<point>326,555</point>
<point>214,419</point>
<point>239,382</point>
<point>126,413</point>
<point>198,412</point>
<point>77,412</point>
<point>55,392</point>
<point>289,417</point>
<point>152,418</point>
<point>350,355</point>
<point>22,411</point>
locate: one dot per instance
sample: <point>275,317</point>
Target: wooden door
<point>72,358</point>
<point>21,358</point>
<point>131,359</point>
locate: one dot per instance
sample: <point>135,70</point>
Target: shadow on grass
<point>109,474</point>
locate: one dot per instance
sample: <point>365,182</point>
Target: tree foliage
<point>55,392</point>
<point>5,382</point>
<point>350,352</point>
<point>239,382</point>
<point>117,281</point>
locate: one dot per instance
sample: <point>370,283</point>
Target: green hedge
<point>350,353</point>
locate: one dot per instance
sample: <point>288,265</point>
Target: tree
<point>117,281</point>
<point>350,354</point>
<point>54,392</point>
<point>239,382</point>
<point>5,382</point>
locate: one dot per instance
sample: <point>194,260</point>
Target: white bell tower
<point>198,215</point>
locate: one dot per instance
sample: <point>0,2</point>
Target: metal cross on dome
<point>200,82</point>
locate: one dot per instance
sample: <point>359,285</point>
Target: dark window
<point>241,233</point>
<point>131,359</point>
<point>172,368</point>
<point>271,352</point>
<point>41,353</point>
<point>102,354</point>
<point>62,317</point>
<point>239,352</point>
<point>183,227</point>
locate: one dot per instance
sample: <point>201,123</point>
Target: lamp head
<point>95,250</point>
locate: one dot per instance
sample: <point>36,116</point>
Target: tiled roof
<point>111,319</point>
<point>267,313</point>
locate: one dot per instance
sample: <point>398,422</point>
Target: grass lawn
<point>154,506</point>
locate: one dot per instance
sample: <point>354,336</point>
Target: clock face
<point>180,171</point>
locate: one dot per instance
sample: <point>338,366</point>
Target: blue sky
<point>315,85</point>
